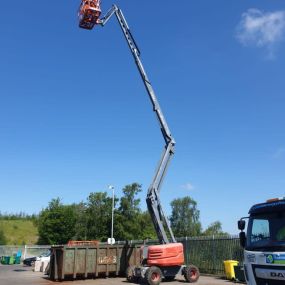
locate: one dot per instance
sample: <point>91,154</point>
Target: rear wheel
<point>191,274</point>
<point>153,275</point>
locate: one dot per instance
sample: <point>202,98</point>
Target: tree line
<point>91,220</point>
<point>18,216</point>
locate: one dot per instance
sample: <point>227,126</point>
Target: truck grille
<point>261,281</point>
<point>268,282</point>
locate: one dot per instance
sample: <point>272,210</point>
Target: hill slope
<point>18,232</point>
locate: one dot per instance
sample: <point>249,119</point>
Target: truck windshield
<point>266,232</point>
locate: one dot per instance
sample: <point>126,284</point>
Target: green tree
<point>127,223</point>
<point>184,218</point>
<point>129,205</point>
<point>80,227</point>
<point>214,229</point>
<point>145,223</point>
<point>99,208</point>
<point>56,224</point>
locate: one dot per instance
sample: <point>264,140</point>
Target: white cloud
<point>279,153</point>
<point>188,186</point>
<point>261,29</point>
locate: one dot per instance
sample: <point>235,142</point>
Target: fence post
<point>186,249</point>
<point>25,251</point>
<point>213,255</point>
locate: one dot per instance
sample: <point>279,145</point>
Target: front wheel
<point>191,274</point>
<point>153,275</point>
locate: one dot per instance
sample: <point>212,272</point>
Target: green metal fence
<point>27,250</point>
<point>208,253</point>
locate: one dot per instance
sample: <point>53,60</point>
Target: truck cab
<point>264,243</point>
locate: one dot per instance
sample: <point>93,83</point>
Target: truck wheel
<point>130,274</point>
<point>153,275</point>
<point>191,274</point>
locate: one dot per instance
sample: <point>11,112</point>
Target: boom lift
<point>166,260</point>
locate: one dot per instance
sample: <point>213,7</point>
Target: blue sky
<point>75,117</point>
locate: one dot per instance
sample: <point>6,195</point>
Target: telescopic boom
<point>153,202</point>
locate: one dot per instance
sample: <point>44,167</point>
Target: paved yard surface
<point>21,275</point>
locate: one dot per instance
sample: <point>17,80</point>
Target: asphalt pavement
<point>24,275</point>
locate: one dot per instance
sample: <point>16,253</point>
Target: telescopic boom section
<point>159,219</point>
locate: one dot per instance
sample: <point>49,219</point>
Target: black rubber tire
<point>169,278</point>
<point>153,275</point>
<point>191,274</point>
<point>130,274</point>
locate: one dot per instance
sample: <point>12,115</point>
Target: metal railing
<point>207,253</point>
<point>26,250</point>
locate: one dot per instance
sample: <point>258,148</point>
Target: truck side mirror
<point>242,239</point>
<point>241,225</point>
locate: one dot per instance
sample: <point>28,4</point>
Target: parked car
<point>30,261</point>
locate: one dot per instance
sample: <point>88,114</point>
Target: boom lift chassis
<point>153,274</point>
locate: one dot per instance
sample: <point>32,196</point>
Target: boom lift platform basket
<point>89,13</point>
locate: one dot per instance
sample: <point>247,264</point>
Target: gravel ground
<point>22,275</point>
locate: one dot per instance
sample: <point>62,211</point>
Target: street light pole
<point>111,187</point>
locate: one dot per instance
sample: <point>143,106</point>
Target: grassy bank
<point>19,232</point>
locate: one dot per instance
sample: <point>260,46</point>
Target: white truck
<point>264,243</point>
